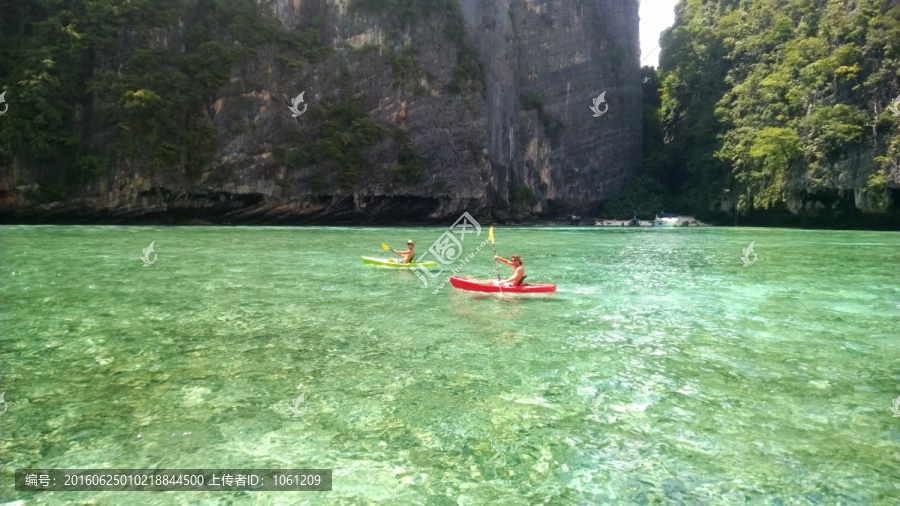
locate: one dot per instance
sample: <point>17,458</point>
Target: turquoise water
<point>663,371</point>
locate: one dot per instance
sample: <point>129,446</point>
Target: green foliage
<point>475,150</point>
<point>112,70</point>
<point>648,194</point>
<point>286,158</point>
<point>405,63</point>
<point>441,187</point>
<point>50,190</point>
<point>522,198</point>
<point>760,95</point>
<point>345,77</point>
<point>644,196</point>
<point>285,185</point>
<point>409,167</point>
<point>342,135</point>
<point>365,50</point>
<point>551,126</point>
<point>774,150</point>
<point>781,145</point>
<point>656,157</point>
<point>535,101</point>
<point>318,183</point>
<point>404,12</point>
<point>532,100</point>
<point>830,130</point>
<point>468,73</point>
<point>88,167</point>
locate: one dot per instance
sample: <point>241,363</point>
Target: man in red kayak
<point>406,256</point>
<point>518,270</point>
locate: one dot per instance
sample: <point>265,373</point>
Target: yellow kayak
<point>386,262</point>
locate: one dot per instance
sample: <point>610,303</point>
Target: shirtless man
<point>406,256</point>
<point>518,270</point>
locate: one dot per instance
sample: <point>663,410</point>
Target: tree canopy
<point>768,97</point>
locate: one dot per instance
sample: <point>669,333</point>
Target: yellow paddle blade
<point>491,234</point>
<point>385,246</point>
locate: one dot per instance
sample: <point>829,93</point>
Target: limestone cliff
<point>517,138</point>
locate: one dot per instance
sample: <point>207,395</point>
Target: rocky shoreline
<point>683,221</point>
<point>249,209</point>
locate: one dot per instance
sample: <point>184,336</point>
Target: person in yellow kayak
<point>406,256</point>
<point>515,261</point>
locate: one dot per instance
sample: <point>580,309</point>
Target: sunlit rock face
<point>554,127</point>
<point>570,52</point>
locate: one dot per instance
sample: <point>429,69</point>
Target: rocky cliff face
<point>521,140</point>
<point>570,53</point>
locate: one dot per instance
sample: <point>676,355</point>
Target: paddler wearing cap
<point>406,256</point>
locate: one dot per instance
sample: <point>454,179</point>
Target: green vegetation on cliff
<point>534,101</point>
<point>96,85</point>
<point>468,73</point>
<point>765,101</point>
<point>339,141</point>
<point>653,190</point>
<point>93,81</point>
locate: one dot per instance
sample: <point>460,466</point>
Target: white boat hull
<point>665,222</point>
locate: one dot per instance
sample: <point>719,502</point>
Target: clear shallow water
<point>711,381</point>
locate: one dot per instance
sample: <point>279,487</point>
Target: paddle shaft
<point>496,265</point>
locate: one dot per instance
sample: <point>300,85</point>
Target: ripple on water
<point>662,371</point>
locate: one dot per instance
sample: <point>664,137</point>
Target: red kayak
<point>474,285</point>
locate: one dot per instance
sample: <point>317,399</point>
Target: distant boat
<point>634,222</point>
<point>665,220</point>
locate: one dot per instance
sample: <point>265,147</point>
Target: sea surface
<point>666,369</point>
